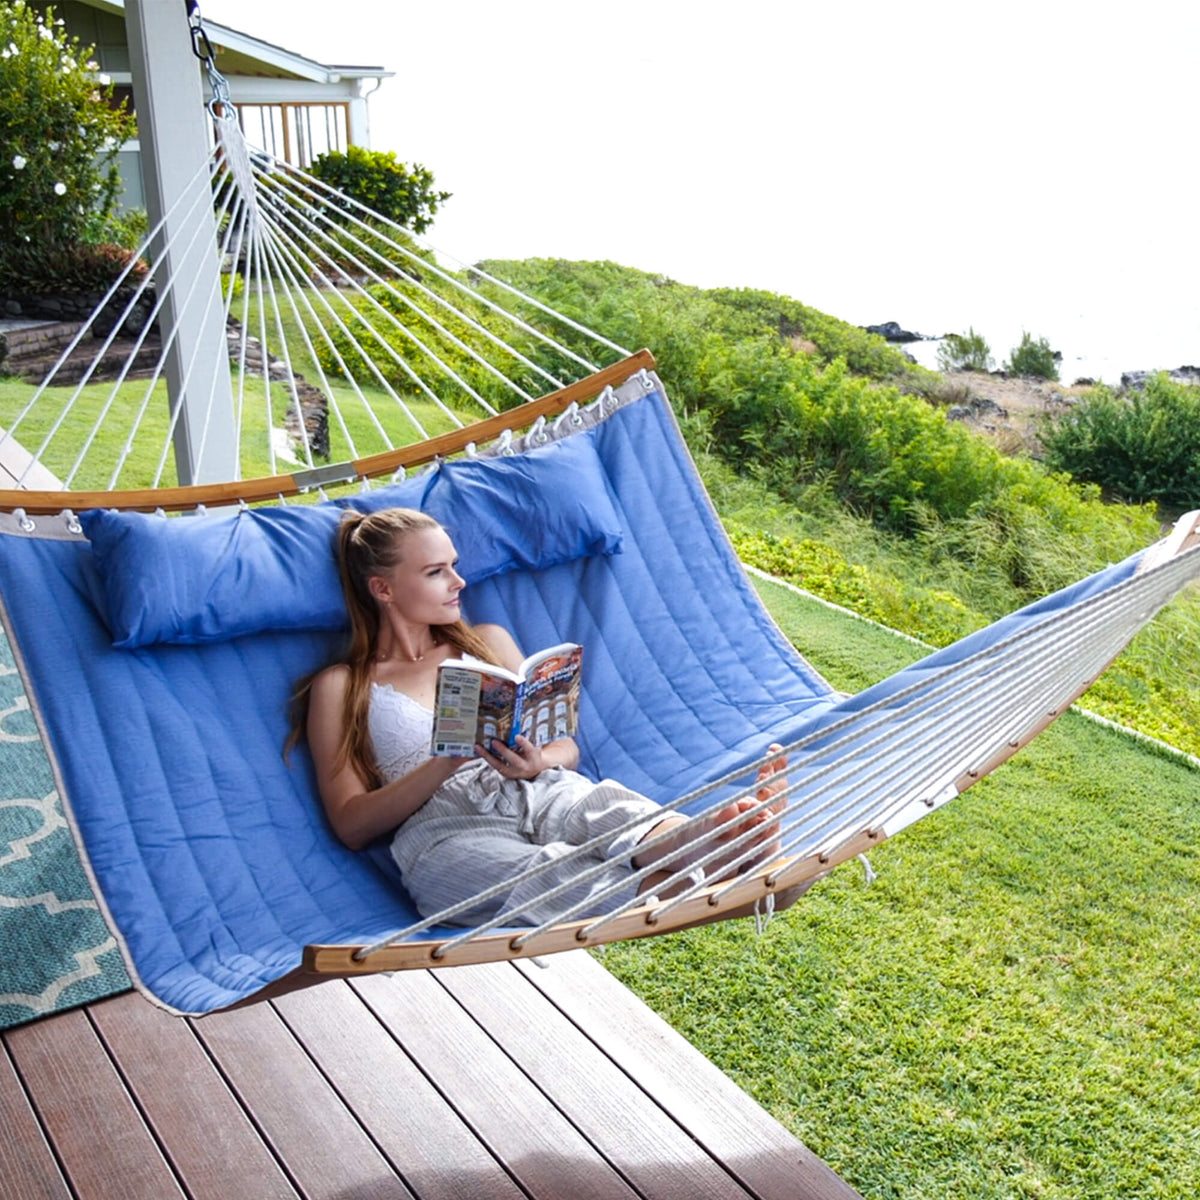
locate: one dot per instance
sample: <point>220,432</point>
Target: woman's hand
<point>523,760</point>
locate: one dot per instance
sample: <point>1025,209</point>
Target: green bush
<point>61,131</point>
<point>1033,357</point>
<point>964,352</point>
<point>381,182</point>
<point>1142,446</point>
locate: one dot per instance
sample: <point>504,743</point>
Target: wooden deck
<point>478,1082</point>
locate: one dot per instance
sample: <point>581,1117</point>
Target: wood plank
<point>545,1153</point>
<point>633,1133</point>
<point>753,1146</point>
<point>327,1152</point>
<point>206,1135</point>
<point>99,1136</point>
<point>28,1170</point>
<point>426,1141</point>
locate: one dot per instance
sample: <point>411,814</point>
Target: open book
<point>477,701</point>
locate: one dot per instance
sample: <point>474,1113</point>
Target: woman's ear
<point>380,589</point>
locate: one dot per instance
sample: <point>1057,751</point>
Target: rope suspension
<point>344,341</point>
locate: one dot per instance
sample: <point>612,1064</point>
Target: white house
<point>291,106</point>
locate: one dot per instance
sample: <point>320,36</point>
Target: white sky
<point>1016,165</point>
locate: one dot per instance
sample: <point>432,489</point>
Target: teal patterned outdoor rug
<point>55,950</point>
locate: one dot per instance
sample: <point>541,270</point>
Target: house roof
<point>240,54</point>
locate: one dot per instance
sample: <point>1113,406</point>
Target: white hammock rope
<point>942,728</point>
<point>327,287</point>
<point>10,432</point>
<point>286,222</point>
<point>313,188</point>
<point>382,343</point>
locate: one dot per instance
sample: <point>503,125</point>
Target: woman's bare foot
<point>694,843</point>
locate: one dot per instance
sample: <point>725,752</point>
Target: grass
<point>1012,1009</point>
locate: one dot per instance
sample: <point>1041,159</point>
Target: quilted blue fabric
<point>211,854</point>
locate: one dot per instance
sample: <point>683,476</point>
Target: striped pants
<point>480,831</point>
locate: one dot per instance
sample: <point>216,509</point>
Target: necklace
<point>412,658</point>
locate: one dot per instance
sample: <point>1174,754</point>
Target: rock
<point>1136,380</point>
<point>893,333</point>
<point>975,409</point>
<point>1084,381</point>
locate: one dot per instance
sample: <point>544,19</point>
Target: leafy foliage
<point>1033,357</point>
<point>1141,446</point>
<point>790,417</point>
<point>381,182</point>
<point>965,352</point>
<point>61,131</point>
<point>931,614</point>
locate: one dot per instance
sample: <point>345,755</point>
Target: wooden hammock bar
<point>250,491</point>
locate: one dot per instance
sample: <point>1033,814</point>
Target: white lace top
<point>400,729</point>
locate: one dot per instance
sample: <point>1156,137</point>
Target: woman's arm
<point>357,814</point>
<point>524,760</point>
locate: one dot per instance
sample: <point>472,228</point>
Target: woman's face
<point>423,586</point>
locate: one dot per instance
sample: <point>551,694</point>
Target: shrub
<point>1142,447</point>
<point>61,132</point>
<point>378,180</point>
<point>964,352</point>
<point>1033,357</point>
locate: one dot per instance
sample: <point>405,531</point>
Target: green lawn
<point>1012,1009</point>
<point>147,409</point>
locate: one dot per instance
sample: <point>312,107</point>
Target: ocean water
<point>1100,346</point>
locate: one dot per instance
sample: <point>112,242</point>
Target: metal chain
<point>220,104</point>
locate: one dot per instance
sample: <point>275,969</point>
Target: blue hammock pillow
<point>197,579</point>
<point>523,512</point>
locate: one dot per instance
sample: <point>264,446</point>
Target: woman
<point>463,825</point>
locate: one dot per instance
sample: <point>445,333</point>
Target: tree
<point>61,131</point>
<point>1033,357</point>
<point>378,180</point>
<point>964,352</point>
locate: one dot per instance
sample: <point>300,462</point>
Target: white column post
<point>172,119</point>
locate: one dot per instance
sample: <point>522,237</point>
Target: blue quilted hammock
<point>209,852</point>
<point>161,654</point>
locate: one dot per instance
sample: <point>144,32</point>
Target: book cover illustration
<point>477,701</point>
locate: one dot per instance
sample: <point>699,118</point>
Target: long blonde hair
<point>370,544</point>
